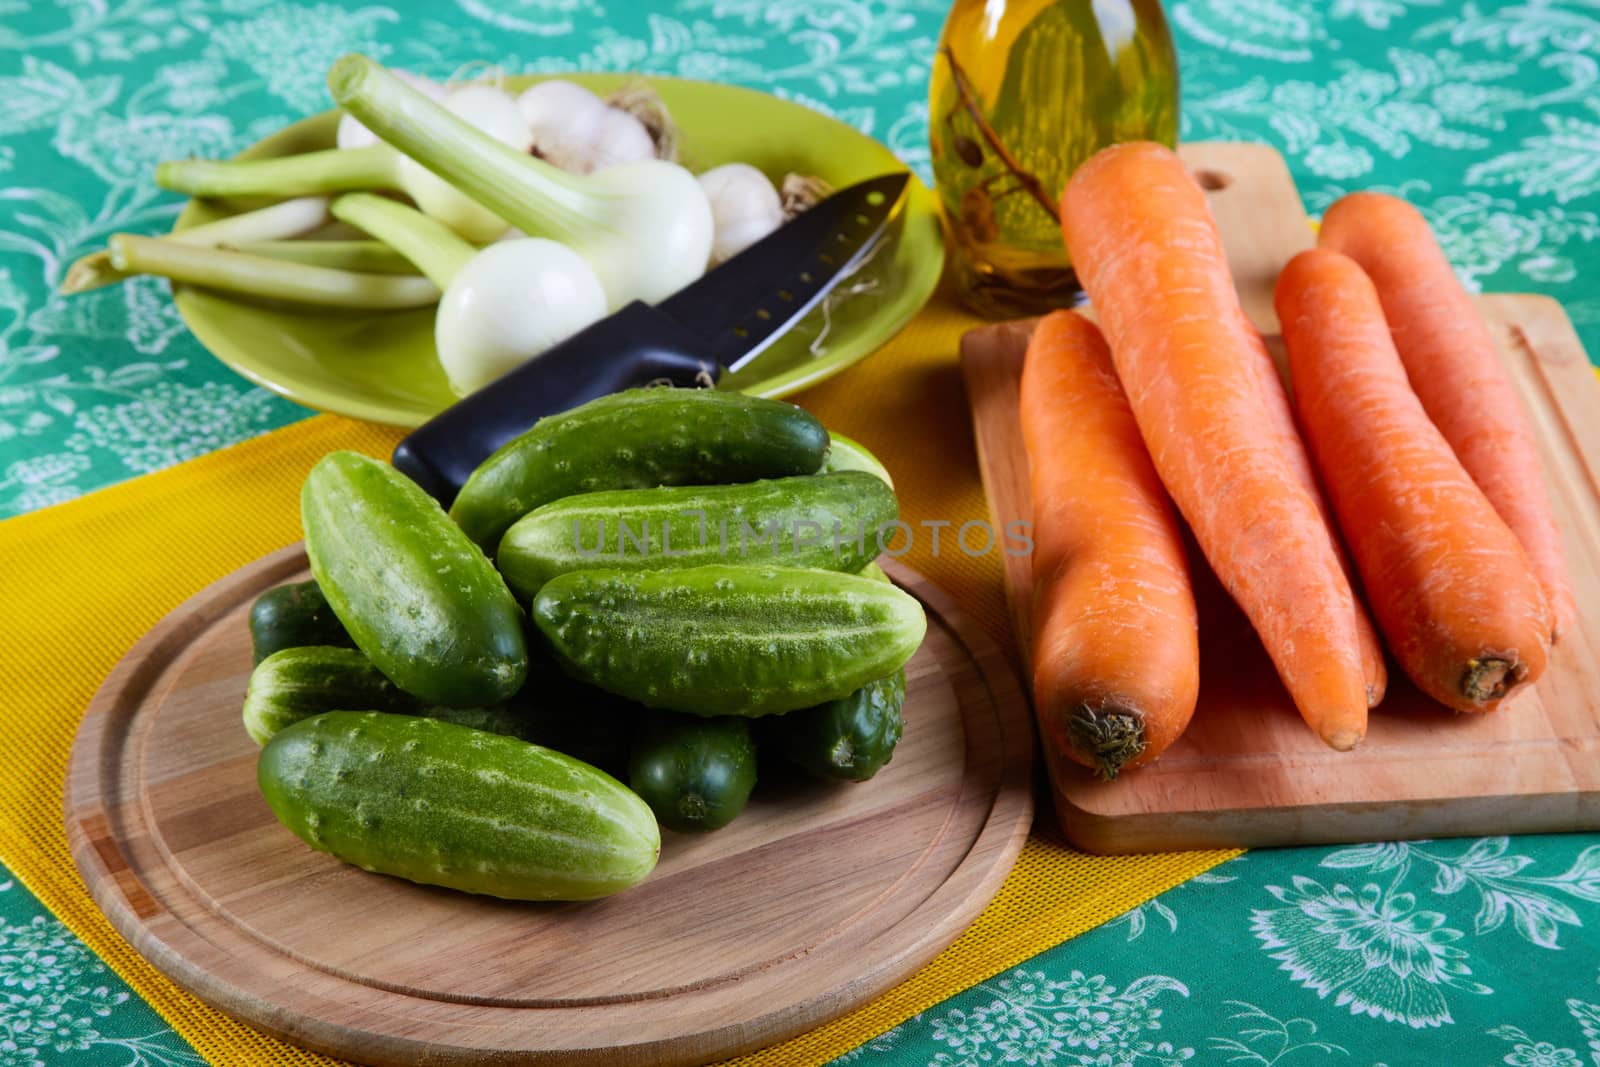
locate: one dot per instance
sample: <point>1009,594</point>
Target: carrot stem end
<point>1109,739</point>
<point>1490,678</point>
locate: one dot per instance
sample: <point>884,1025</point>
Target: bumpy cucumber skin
<point>696,774</point>
<point>825,522</point>
<point>637,439</point>
<point>847,740</point>
<point>294,616</point>
<point>846,454</point>
<point>297,683</point>
<point>446,805</point>
<point>416,595</point>
<point>728,640</point>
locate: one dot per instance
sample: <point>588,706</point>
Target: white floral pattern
<point>1405,967</point>
<point>1026,1017</point>
<point>57,998</point>
<point>1372,950</point>
<point>1267,1040</point>
<point>1137,919</point>
<point>1528,1052</point>
<point>1376,952</point>
<point>1563,162</point>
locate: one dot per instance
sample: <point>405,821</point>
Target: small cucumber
<point>297,683</point>
<point>846,740</point>
<point>294,616</point>
<point>828,522</point>
<point>446,805</point>
<point>696,774</point>
<point>845,454</point>
<point>875,572</point>
<point>637,439</point>
<point>728,640</point>
<point>417,596</point>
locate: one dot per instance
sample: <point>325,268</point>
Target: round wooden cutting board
<point>818,898</point>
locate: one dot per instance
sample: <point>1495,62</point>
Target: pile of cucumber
<point>667,586</point>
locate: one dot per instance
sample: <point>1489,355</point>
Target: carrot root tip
<point>1108,738</point>
<point>1343,740</point>
<point>1490,678</point>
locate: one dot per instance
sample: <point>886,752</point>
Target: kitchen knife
<point>713,327</point>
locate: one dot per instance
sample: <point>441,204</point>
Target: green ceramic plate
<point>382,367</point>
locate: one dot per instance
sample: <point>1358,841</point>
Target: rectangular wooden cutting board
<point>1248,772</point>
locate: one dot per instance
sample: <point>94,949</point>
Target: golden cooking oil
<point>1022,92</point>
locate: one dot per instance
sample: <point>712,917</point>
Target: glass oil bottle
<point>1022,92</point>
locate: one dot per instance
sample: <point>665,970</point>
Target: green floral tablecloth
<point>1485,114</point>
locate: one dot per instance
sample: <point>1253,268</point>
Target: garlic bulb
<point>352,134</point>
<point>579,132</point>
<point>744,208</point>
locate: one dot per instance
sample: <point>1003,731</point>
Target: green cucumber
<point>696,774</point>
<point>728,640</point>
<point>846,740</point>
<point>446,805</point>
<point>875,572</point>
<point>294,616</point>
<point>417,596</point>
<point>827,522</point>
<point>637,439</point>
<point>845,454</point>
<point>297,683</point>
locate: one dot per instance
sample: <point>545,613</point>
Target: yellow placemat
<point>81,582</point>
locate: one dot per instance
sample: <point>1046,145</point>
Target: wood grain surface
<point>818,898</point>
<point>1248,772</point>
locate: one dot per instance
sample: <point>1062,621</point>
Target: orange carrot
<point>1116,655</point>
<point>1281,416</point>
<point>1147,250</point>
<point>1452,589</point>
<point>1450,358</point>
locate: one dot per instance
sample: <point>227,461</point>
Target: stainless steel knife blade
<point>745,304</point>
<point>711,327</point>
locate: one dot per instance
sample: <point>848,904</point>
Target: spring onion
<point>373,257</point>
<point>644,227</point>
<point>286,219</point>
<point>351,134</point>
<point>501,305</point>
<point>377,166</point>
<point>274,279</point>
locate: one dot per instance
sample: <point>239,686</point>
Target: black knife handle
<point>634,346</point>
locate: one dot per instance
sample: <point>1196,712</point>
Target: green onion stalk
<point>267,278</point>
<point>272,223</point>
<point>489,111</point>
